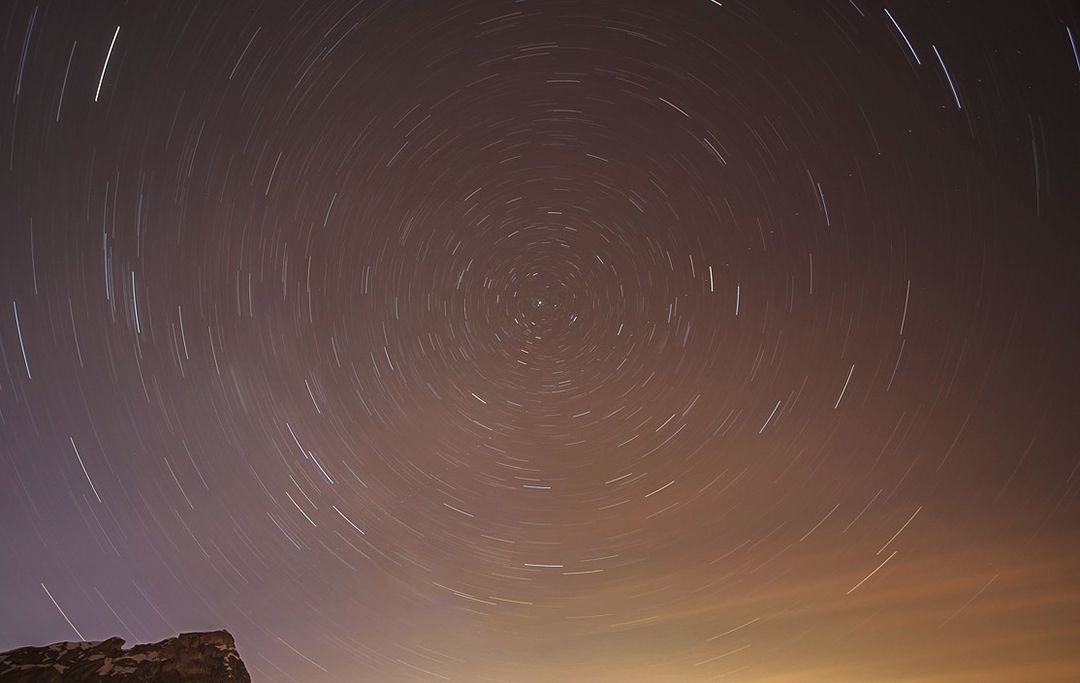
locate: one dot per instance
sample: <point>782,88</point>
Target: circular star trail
<point>532,340</point>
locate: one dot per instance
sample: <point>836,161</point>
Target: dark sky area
<point>546,340</point>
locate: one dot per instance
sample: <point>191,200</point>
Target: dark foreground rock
<point>188,658</point>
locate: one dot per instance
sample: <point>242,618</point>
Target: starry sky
<point>533,340</point>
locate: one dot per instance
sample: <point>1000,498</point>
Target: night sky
<point>546,340</point>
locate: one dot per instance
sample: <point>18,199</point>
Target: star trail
<point>534,340</point>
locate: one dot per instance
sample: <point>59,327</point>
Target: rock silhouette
<point>209,657</point>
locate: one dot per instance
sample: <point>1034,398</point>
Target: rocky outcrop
<point>187,658</point>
